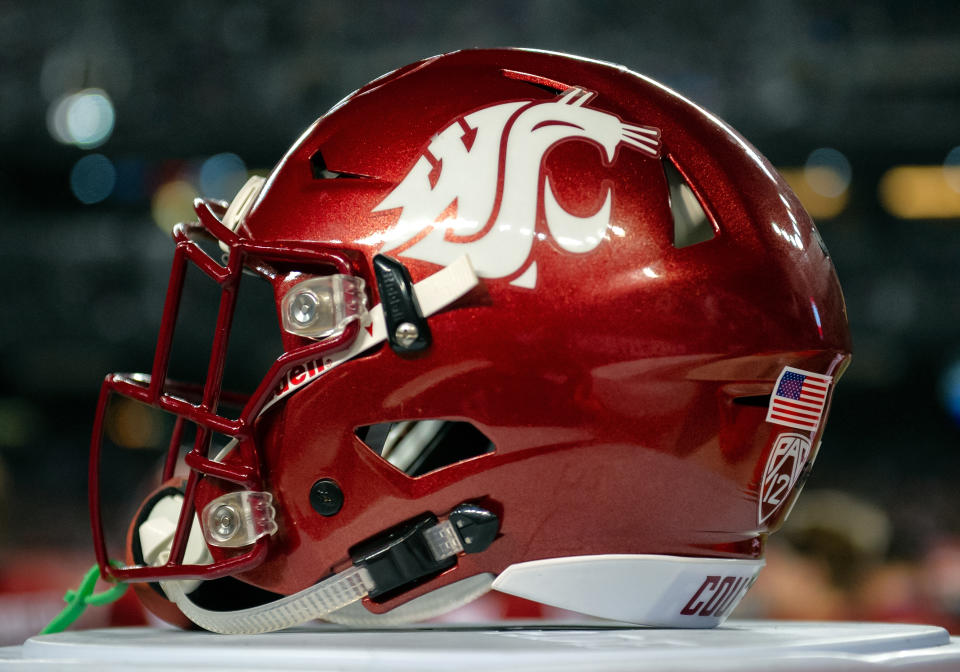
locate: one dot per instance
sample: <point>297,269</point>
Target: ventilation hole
<point>761,400</point>
<point>318,167</point>
<point>551,85</point>
<point>417,447</point>
<point>690,223</point>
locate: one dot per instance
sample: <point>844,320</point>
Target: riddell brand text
<point>297,376</point>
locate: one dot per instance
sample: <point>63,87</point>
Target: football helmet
<point>548,328</point>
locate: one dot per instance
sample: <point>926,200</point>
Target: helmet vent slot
<point>417,447</point>
<point>320,171</point>
<point>690,222</point>
<point>550,85</point>
<point>761,400</point>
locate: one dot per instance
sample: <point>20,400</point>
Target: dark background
<point>82,284</point>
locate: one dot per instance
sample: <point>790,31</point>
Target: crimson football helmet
<point>548,327</point>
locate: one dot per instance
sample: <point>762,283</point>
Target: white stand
<point>740,646</point>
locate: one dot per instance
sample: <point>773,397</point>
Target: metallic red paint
<point>610,391</point>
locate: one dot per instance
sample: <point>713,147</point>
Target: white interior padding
<point>156,537</point>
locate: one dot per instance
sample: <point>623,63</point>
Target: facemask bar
<point>199,404</point>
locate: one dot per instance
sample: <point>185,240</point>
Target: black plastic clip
<point>407,328</point>
<point>400,556</point>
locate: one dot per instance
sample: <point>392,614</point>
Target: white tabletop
<point>742,646</point>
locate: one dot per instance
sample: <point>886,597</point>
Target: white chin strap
<point>317,601</point>
<point>334,599</point>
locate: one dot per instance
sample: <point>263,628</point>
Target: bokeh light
<point>84,118</point>
<point>951,169</point>
<point>222,175</point>
<point>19,422</point>
<point>93,178</point>
<point>950,390</point>
<point>172,203</point>
<point>130,424</point>
<point>828,172</point>
<point>920,192</point>
<point>823,183</point>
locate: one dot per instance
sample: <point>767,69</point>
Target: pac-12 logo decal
<point>784,465</point>
<point>476,188</point>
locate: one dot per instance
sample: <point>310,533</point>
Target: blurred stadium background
<point>113,115</point>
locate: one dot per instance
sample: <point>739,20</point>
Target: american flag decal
<point>798,399</point>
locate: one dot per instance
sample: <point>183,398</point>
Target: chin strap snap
<point>383,565</point>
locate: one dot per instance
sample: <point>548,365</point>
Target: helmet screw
<point>326,497</point>
<point>406,334</point>
<point>226,522</point>
<point>303,308</point>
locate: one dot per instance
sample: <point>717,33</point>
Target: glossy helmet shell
<point>624,383</point>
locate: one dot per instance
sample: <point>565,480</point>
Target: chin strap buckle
<point>408,553</point>
<point>407,328</point>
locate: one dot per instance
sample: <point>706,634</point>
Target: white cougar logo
<point>474,189</point>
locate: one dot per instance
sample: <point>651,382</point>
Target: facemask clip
<point>323,306</point>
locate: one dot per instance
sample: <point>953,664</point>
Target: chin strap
<point>392,561</point>
<point>336,599</point>
<point>317,601</point>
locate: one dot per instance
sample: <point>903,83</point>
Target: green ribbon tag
<point>77,600</point>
